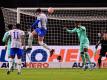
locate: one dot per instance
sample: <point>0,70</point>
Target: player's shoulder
<point>10,31</point>
<point>7,32</point>
<point>82,26</point>
<point>22,32</point>
<point>43,15</point>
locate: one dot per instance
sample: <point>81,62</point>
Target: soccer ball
<point>50,10</point>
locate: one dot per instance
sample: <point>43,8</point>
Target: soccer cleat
<point>51,52</point>
<point>19,73</point>
<point>91,67</point>
<point>85,67</point>
<point>8,72</point>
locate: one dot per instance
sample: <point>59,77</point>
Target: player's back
<point>82,34</point>
<point>43,20</point>
<point>16,37</point>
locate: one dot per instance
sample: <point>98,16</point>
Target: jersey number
<point>16,35</point>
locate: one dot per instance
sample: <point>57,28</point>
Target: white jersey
<point>43,20</point>
<point>15,35</point>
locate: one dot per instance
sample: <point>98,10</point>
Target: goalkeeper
<point>84,43</point>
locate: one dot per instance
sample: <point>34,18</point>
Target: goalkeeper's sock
<point>83,59</point>
<point>10,63</point>
<point>19,65</point>
<point>87,57</point>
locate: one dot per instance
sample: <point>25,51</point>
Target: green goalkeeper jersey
<point>81,31</point>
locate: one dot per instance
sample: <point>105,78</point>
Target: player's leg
<point>99,61</point>
<point>8,51</point>
<point>41,33</point>
<point>11,59</point>
<point>83,57</point>
<point>30,39</point>
<point>87,55</point>
<point>19,62</point>
<point>102,53</point>
<point>40,41</point>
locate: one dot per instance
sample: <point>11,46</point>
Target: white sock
<point>10,63</point>
<point>30,39</point>
<point>19,65</point>
<point>44,45</point>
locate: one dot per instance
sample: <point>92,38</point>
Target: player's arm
<point>96,46</point>
<point>5,37</point>
<point>35,23</point>
<point>82,28</point>
<point>70,31</point>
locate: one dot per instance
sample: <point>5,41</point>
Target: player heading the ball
<point>40,30</point>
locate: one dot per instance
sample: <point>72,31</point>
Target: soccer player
<point>40,30</point>
<point>103,42</point>
<point>7,41</point>
<point>84,43</point>
<point>17,41</point>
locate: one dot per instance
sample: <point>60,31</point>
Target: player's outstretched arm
<point>96,46</point>
<point>70,31</point>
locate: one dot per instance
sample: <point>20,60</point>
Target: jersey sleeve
<point>5,36</point>
<point>23,33</point>
<point>71,31</point>
<point>83,28</point>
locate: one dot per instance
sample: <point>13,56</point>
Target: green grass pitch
<point>55,74</point>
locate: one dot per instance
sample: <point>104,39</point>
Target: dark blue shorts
<point>41,32</point>
<point>16,51</point>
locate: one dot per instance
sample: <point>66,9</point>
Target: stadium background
<point>55,74</point>
<point>57,3</point>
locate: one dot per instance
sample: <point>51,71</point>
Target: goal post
<point>93,18</point>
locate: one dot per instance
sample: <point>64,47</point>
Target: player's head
<point>10,26</point>
<point>38,11</point>
<point>18,26</point>
<point>77,24</point>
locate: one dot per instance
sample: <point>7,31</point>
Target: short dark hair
<point>38,10</point>
<point>77,22</point>
<point>10,26</point>
<point>18,26</point>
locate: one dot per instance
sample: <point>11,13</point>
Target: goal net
<point>94,19</point>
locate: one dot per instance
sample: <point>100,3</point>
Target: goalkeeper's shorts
<point>41,32</point>
<point>83,45</point>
